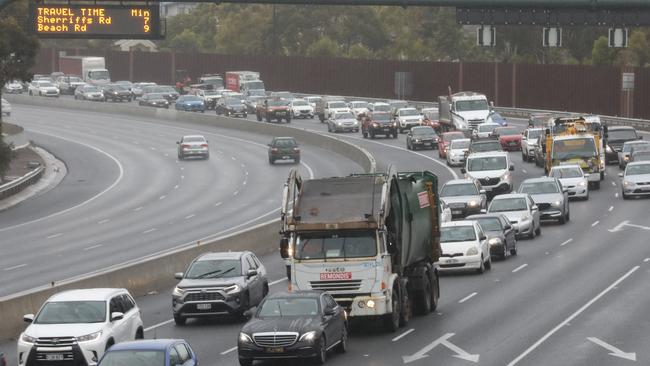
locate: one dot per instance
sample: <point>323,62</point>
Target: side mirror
<point>640,137</point>
<point>178,275</point>
<point>28,318</point>
<point>586,175</point>
<point>620,175</point>
<point>565,190</point>
<point>482,237</point>
<point>248,313</point>
<point>284,248</point>
<point>463,170</point>
<point>251,273</point>
<point>116,315</point>
<point>508,227</point>
<point>482,191</point>
<point>511,168</point>
<point>534,208</point>
<point>328,312</point>
<point>178,142</point>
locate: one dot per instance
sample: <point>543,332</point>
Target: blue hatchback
<point>150,352</point>
<point>189,103</point>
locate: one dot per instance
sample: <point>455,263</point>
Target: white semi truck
<point>463,111</point>
<point>370,240</point>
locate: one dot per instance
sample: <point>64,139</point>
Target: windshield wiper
<point>206,274</point>
<point>226,271</point>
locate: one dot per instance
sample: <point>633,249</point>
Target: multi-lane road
<point>576,295</point>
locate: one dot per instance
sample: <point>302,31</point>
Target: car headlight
<point>472,203</point>
<point>556,203</point>
<point>418,140</point>
<point>375,125</point>
<point>338,123</point>
<point>525,217</point>
<point>27,339</point>
<point>627,183</point>
<point>505,176</point>
<point>608,149</point>
<point>232,289</point>
<point>89,337</point>
<point>394,124</point>
<point>245,338</point>
<point>494,241</point>
<point>582,184</point>
<point>472,251</point>
<point>308,337</point>
<point>626,158</point>
<point>178,291</point>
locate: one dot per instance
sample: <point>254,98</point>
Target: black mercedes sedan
<point>303,324</point>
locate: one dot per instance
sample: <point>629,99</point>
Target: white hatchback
<point>464,246</point>
<point>77,326</point>
<point>573,178</point>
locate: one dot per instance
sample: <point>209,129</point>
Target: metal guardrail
<point>19,184</point>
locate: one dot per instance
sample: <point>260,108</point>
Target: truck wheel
<point>372,134</point>
<point>425,297</point>
<point>391,321</point>
<point>365,134</point>
<point>288,119</point>
<point>395,135</point>
<point>407,312</point>
<point>321,118</point>
<point>524,157</point>
<point>268,118</point>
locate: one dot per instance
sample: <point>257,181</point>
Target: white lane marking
<point>616,352</point>
<point>246,173</point>
<point>158,325</point>
<point>116,182</point>
<point>524,171</point>
<point>520,268</point>
<point>162,197</point>
<point>217,204</point>
<point>220,152</point>
<point>182,177</point>
<point>92,247</point>
<point>566,242</point>
<point>176,186</point>
<point>229,350</point>
<point>277,281</point>
<point>189,216</point>
<point>311,172</point>
<point>138,209</point>
<point>182,168</point>
<point>467,297</point>
<point>103,221</point>
<point>233,158</point>
<point>244,182</point>
<point>243,165</point>
<point>646,260</point>
<point>16,267</point>
<point>54,236</point>
<point>166,155</point>
<point>611,208</point>
<point>235,193</point>
<point>571,317</point>
<point>614,184</point>
<point>149,230</point>
<point>403,335</point>
<point>595,223</point>
<point>152,148</point>
<point>616,195</point>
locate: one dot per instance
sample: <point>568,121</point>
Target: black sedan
<point>116,92</point>
<point>421,137</point>
<point>500,233</point>
<point>284,148</point>
<point>157,100</point>
<point>231,107</point>
<point>294,325</point>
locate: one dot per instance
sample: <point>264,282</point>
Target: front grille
<point>489,181</point>
<point>473,123</point>
<point>56,341</point>
<point>643,184</point>
<point>275,339</point>
<point>204,296</point>
<point>543,206</point>
<point>344,285</point>
<point>451,255</point>
<point>452,265</point>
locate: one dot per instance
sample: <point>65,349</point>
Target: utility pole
<point>274,44</point>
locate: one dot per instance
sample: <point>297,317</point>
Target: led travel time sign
<point>95,21</point>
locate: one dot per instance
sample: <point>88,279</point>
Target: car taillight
<point>204,145</point>
<point>275,149</point>
<point>184,147</point>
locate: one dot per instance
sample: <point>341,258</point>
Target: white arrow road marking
<point>460,353</point>
<point>618,227</point>
<point>614,351</point>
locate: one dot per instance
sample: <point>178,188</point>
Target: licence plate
<point>203,306</point>
<point>452,260</point>
<point>427,144</point>
<point>512,143</point>
<point>275,350</point>
<point>285,157</point>
<point>54,356</point>
<point>456,212</point>
<point>280,113</point>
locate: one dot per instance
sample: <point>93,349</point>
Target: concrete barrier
<point>155,272</point>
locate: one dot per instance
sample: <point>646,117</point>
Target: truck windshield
<point>254,85</point>
<point>471,105</point>
<point>574,148</point>
<point>336,246</point>
<point>99,75</point>
<point>338,105</point>
<point>216,82</point>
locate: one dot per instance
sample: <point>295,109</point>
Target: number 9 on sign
<point>146,28</point>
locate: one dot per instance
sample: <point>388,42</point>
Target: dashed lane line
<point>467,297</point>
<point>403,335</point>
<point>92,247</point>
<point>520,268</point>
<point>16,267</point>
<point>228,351</point>
<point>566,242</point>
<point>103,221</point>
<point>149,230</point>
<point>54,236</point>
<point>595,223</point>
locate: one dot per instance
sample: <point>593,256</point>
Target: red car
<point>509,137</point>
<point>444,141</point>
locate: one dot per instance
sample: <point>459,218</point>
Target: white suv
<point>492,169</point>
<point>78,326</point>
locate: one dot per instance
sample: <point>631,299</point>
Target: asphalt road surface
<point>576,295</point>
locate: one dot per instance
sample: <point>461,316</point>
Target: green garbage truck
<point>370,240</point>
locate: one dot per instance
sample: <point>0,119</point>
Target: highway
<point>576,295</point>
<point>127,195</point>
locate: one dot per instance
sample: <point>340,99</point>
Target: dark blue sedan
<point>190,103</point>
<point>150,352</point>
